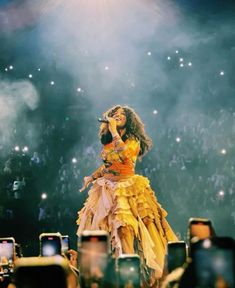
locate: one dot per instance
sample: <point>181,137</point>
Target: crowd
<point>204,260</point>
<point>191,169</point>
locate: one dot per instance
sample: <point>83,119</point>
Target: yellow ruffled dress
<point>119,197</point>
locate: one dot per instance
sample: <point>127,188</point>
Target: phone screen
<point>93,259</point>
<point>6,250</point>
<point>214,265</point>
<point>129,271</point>
<point>176,255</point>
<point>65,243</point>
<point>50,245</point>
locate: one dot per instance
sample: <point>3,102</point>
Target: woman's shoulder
<point>132,140</point>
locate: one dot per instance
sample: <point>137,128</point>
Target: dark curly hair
<point>134,128</point>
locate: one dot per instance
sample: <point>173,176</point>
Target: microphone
<point>103,120</point>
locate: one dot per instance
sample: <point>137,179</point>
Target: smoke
<point>116,51</point>
<point>16,98</point>
<point>112,49</point>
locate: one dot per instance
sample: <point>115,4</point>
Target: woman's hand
<point>86,182</point>
<point>73,257</point>
<point>112,126</point>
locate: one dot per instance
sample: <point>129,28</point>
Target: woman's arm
<point>89,179</point>
<point>98,172</point>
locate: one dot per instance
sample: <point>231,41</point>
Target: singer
<point>122,202</point>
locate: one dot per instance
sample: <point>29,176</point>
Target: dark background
<point>63,64</point>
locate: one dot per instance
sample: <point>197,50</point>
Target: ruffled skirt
<point>128,202</point>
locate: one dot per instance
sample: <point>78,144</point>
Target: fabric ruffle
<point>128,202</point>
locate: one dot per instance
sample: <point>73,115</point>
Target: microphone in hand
<point>103,120</point>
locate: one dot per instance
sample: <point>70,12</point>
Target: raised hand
<point>112,125</point>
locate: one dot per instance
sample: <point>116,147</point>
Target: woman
<point>122,202</point>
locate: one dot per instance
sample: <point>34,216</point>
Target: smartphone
<point>94,249</point>
<point>7,252</point>
<point>50,244</point>
<point>65,243</point>
<point>214,262</point>
<point>38,272</point>
<point>176,254</point>
<point>128,270</point>
<point>200,228</point>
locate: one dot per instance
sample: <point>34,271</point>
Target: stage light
<point>222,73</point>
<point>177,139</point>
<point>39,69</point>
<point>190,64</point>
<point>181,59</point>
<point>221,193</point>
<point>149,53</point>
<point>155,112</point>
<point>223,151</point>
<point>181,65</point>
<point>6,69</point>
<point>177,51</point>
<point>106,68</point>
<point>52,83</point>
<point>74,160</point>
<point>30,76</point>
<point>17,148</point>
<point>79,89</point>
<point>44,196</point>
<point>25,149</point>
<point>168,58</point>
<point>11,67</point>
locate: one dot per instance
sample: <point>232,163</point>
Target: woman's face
<point>120,117</point>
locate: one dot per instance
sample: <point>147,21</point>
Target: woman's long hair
<point>134,128</point>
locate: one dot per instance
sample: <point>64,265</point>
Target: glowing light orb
<point>221,193</point>
<point>25,149</point>
<point>44,196</point>
<point>17,148</point>
<point>223,151</point>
